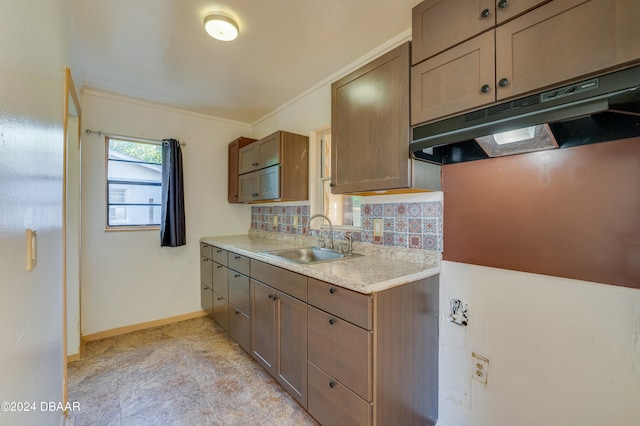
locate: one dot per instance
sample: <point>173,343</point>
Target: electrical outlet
<point>480,368</point>
<point>377,227</point>
<point>275,220</point>
<point>295,221</point>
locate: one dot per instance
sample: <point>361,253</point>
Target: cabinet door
<point>234,166</point>
<point>263,325</point>
<point>459,79</point>
<point>247,187</point>
<point>248,158</point>
<point>220,280</point>
<point>370,126</point>
<point>221,311</point>
<point>565,40</point>
<point>268,183</point>
<point>232,179</point>
<point>440,24</point>
<point>269,150</point>
<point>291,368</point>
<point>509,9</point>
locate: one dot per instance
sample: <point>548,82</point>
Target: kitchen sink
<point>306,255</point>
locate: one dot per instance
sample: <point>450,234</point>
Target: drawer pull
<point>332,321</point>
<point>220,298</point>
<point>237,257</point>
<point>332,384</point>
<point>237,276</point>
<point>503,82</point>
<point>485,89</point>
<point>218,251</point>
<point>502,4</point>
<point>271,296</point>
<point>332,290</point>
<point>237,312</point>
<point>275,298</point>
<point>485,13</point>
<point>219,266</point>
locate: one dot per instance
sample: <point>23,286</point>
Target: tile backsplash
<point>416,225</point>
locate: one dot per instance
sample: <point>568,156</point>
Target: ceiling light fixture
<point>221,27</point>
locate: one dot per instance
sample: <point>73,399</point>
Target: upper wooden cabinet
<point>275,167</point>
<point>370,129</point>
<point>441,24</point>
<point>559,42</point>
<point>261,154</point>
<point>234,158</point>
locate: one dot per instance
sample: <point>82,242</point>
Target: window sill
<point>131,228</point>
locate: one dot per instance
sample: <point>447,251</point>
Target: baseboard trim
<point>141,326</point>
<point>72,358</point>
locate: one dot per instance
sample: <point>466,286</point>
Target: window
<point>343,210</point>
<point>134,183</point>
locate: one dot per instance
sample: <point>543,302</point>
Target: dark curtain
<point>172,225</point>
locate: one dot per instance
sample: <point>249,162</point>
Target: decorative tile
<point>430,242</point>
<point>400,240</point>
<point>366,236</point>
<point>401,209</point>
<point>376,210</point>
<point>400,225</point>
<point>367,224</point>
<point>388,224</point>
<point>415,209</point>
<point>366,209</point>
<point>388,209</point>
<point>415,241</point>
<point>377,240</point>
<point>388,238</point>
<point>415,226</point>
<point>429,226</point>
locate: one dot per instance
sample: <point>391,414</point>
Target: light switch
<point>32,249</point>
<point>295,221</point>
<point>275,220</point>
<point>377,227</point>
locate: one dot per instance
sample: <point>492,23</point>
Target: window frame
<point>108,205</point>
<point>320,135</point>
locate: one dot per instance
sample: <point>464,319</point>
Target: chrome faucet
<point>330,227</point>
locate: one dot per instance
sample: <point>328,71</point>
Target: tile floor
<point>188,373</point>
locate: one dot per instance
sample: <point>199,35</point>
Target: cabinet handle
<point>332,290</point>
<point>236,276</point>
<point>332,184</point>
<point>255,164</point>
<point>271,296</point>
<point>485,13</point>
<point>275,298</point>
<point>332,384</point>
<point>255,195</point>
<point>502,4</point>
<point>485,89</point>
<point>503,82</point>
<point>220,298</point>
<point>219,251</point>
<point>237,257</point>
<point>237,312</point>
<point>332,321</point>
<point>219,266</point>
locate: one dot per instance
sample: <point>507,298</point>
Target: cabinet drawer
<point>347,304</point>
<point>341,349</point>
<point>206,250</point>
<point>286,281</point>
<point>221,311</point>
<point>206,272</point>
<point>206,299</point>
<point>331,403</point>
<point>240,328</point>
<point>239,292</point>
<point>219,255</point>
<point>219,283</point>
<point>239,263</point>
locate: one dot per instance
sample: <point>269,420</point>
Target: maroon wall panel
<point>571,212</point>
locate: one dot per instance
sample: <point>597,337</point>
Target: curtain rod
<point>131,138</point>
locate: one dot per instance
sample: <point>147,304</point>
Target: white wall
<point>34,51</point>
<point>127,278</point>
<point>561,352</point>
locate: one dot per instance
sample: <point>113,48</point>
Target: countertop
<point>366,274</point>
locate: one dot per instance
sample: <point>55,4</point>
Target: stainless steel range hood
<point>595,110</point>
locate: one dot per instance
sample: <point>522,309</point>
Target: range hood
<point>599,109</point>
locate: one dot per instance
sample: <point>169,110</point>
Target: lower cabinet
<point>348,358</point>
<point>279,337</point>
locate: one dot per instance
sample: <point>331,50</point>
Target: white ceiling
<point>157,50</point>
